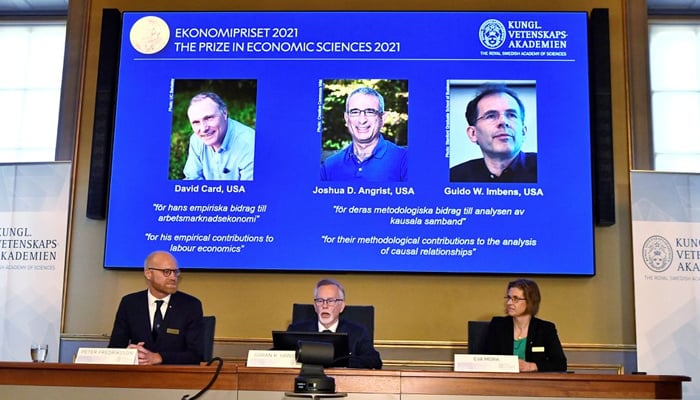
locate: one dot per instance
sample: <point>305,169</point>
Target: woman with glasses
<point>533,340</point>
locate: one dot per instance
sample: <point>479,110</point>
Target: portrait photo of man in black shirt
<point>496,124</point>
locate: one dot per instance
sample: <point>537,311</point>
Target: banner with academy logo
<point>33,230</point>
<point>666,245</point>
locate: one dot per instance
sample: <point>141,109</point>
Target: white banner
<point>666,245</point>
<point>33,229</point>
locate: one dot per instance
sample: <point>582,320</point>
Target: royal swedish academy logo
<point>492,34</point>
<point>657,253</point>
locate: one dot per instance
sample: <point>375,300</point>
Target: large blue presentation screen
<point>288,168</point>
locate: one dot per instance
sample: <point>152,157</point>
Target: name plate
<point>272,358</point>
<point>486,363</point>
<point>100,355</point>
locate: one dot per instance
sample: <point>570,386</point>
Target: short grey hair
<point>329,281</point>
<point>368,91</point>
<point>214,97</point>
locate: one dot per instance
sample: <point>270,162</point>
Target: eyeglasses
<point>167,272</point>
<point>514,299</point>
<point>331,302</point>
<point>369,112</point>
<point>494,116</point>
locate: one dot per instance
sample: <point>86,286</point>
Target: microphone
<point>336,360</point>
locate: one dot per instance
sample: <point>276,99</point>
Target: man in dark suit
<point>164,325</point>
<point>329,302</point>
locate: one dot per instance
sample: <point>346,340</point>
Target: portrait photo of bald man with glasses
<point>496,123</point>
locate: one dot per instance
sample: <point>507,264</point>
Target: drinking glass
<point>39,352</point>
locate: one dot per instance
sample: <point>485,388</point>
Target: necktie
<point>326,331</point>
<point>157,320</point>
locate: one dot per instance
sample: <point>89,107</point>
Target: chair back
<point>363,315</point>
<point>209,322</point>
<point>476,337</point>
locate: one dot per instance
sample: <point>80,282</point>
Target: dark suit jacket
<point>541,336</point>
<point>181,337</point>
<point>362,352</point>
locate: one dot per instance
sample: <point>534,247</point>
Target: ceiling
<point>33,7</point>
<point>38,7</point>
<point>675,7</point>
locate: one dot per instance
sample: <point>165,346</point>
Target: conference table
<point>29,381</point>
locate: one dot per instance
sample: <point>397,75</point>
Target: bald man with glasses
<point>163,324</point>
<point>329,303</point>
